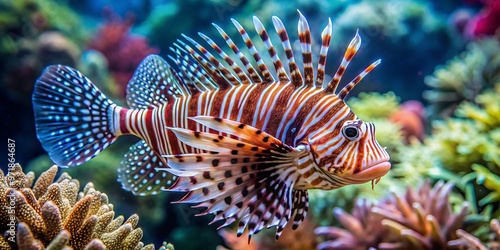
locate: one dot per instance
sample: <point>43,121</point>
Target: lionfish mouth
<point>373,173</point>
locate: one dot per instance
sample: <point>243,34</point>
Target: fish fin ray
<point>74,120</point>
<point>138,171</point>
<point>153,84</point>
<point>256,194</point>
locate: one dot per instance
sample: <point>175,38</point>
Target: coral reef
<point>33,34</point>
<point>56,215</point>
<point>467,241</point>
<point>122,50</point>
<point>422,218</point>
<point>409,28</point>
<point>464,77</point>
<point>486,22</point>
<point>301,238</point>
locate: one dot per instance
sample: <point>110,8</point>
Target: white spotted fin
<point>251,179</point>
<point>138,174</point>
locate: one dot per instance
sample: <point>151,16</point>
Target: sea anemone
<point>422,218</point>
<point>55,215</point>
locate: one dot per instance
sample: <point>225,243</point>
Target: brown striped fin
<point>326,36</point>
<point>278,66</point>
<point>181,75</point>
<point>183,65</point>
<point>346,89</point>
<point>292,66</point>
<point>268,77</point>
<point>230,80</point>
<point>305,46</point>
<point>194,71</point>
<point>239,72</point>
<point>215,77</point>
<point>250,69</point>
<point>349,54</point>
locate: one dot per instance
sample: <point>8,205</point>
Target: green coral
<point>30,18</point>
<point>465,76</point>
<point>371,106</point>
<point>464,149</point>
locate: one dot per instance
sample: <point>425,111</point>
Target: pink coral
<point>123,51</point>
<point>486,22</point>
<point>421,218</point>
<point>411,117</point>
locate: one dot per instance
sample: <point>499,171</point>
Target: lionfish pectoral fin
<point>139,171</point>
<point>251,179</point>
<point>153,84</point>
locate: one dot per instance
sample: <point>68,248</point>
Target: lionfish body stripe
<point>245,143</point>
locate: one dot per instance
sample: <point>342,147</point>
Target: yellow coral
<point>56,216</point>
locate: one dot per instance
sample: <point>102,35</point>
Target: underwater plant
<point>421,218</point>
<point>464,77</point>
<point>56,215</point>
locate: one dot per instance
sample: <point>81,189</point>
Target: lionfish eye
<point>351,132</point>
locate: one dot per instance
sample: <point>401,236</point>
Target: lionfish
<point>245,143</point>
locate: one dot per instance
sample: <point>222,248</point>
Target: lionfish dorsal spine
<point>181,74</point>
<point>349,54</point>
<point>242,77</point>
<point>285,41</point>
<point>186,70</point>
<point>208,72</point>
<point>347,88</point>
<point>252,73</point>
<point>268,77</point>
<point>225,72</point>
<point>214,70</point>
<point>305,46</point>
<point>221,75</point>
<point>194,69</point>
<point>326,37</point>
<point>278,66</point>
<point>215,76</point>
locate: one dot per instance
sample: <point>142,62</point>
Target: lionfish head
<point>351,154</point>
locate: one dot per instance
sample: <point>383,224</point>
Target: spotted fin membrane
<point>138,173</point>
<point>73,118</point>
<point>251,180</point>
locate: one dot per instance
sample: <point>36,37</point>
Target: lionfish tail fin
<point>74,120</point>
<point>251,179</point>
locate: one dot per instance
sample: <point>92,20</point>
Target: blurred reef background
<point>435,100</point>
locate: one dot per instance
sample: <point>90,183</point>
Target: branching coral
<point>123,51</point>
<point>468,241</point>
<point>467,146</point>
<point>56,215</point>
<point>465,76</point>
<point>419,219</point>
